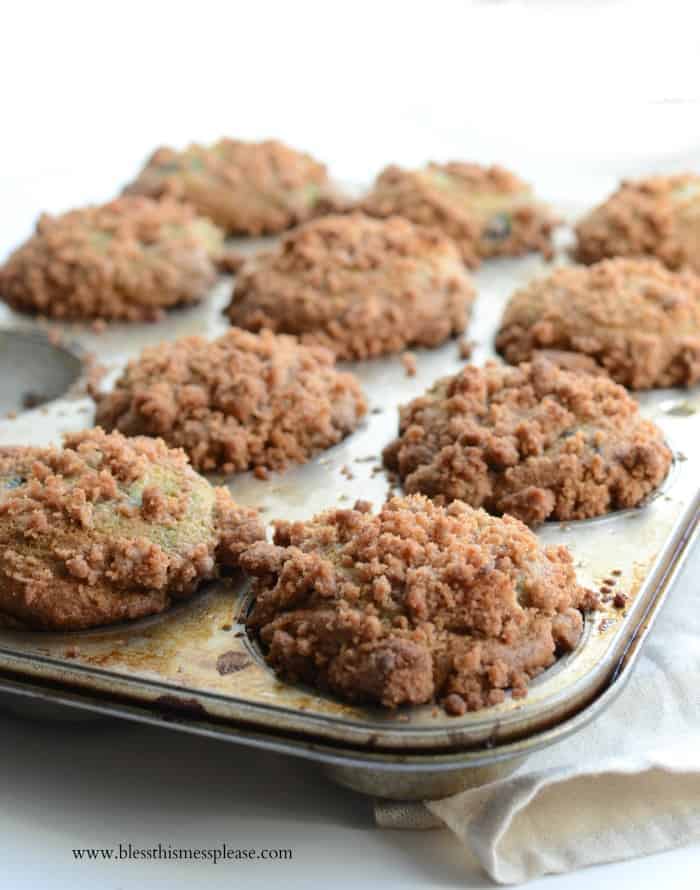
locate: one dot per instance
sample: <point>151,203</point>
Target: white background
<point>572,95</point>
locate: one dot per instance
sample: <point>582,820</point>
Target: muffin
<point>635,318</point>
<point>488,211</point>
<point>107,529</point>
<point>128,260</point>
<point>415,604</point>
<point>246,188</point>
<point>362,287</point>
<point>240,402</point>
<point>656,217</point>
<point>536,441</point>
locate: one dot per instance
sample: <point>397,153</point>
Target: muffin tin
<point>195,669</point>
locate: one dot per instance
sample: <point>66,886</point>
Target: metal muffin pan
<point>194,668</point>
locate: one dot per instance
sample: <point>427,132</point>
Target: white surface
<point>572,95</point>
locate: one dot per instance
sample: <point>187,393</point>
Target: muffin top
<point>488,211</point>
<point>535,441</point>
<point>108,528</point>
<point>360,286</point>
<point>637,319</point>
<point>128,259</point>
<point>247,188</point>
<point>657,217</point>
<point>235,403</point>
<point>415,603</point>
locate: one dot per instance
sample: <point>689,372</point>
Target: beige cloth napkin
<point>625,786</point>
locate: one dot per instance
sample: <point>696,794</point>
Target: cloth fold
<point>627,785</point>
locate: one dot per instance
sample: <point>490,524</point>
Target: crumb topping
<point>638,320</point>
<point>129,259</point>
<point>415,603</point>
<point>658,217</point>
<point>488,211</point>
<point>249,188</point>
<point>359,286</point>
<point>535,441</point>
<point>109,528</point>
<point>239,402</point>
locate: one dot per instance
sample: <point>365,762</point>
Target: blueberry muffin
<point>361,287</point>
<point>127,260</point>
<point>635,318</point>
<point>107,529</point>
<point>415,604</point>
<point>246,188</point>
<point>536,441</point>
<point>655,217</point>
<point>243,401</point>
<point>488,211</point>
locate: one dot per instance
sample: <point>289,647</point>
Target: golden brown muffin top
<point>124,259</point>
<point>618,294</point>
<point>245,187</point>
<point>241,401</point>
<point>352,279</point>
<point>105,516</point>
<point>635,318</point>
<point>658,216</point>
<point>535,441</point>
<point>487,210</point>
<point>413,602</point>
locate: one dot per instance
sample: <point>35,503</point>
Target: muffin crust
<point>488,211</point>
<point>635,318</point>
<point>361,287</point>
<point>414,604</point>
<point>127,260</point>
<point>536,441</point>
<point>239,402</point>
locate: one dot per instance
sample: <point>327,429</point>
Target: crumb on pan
<point>655,217</point>
<point>636,319</point>
<point>230,260</point>
<point>242,401</point>
<point>535,441</point>
<point>127,260</point>
<point>465,347</point>
<point>414,604</point>
<point>107,529</point>
<point>246,188</point>
<point>408,360</point>
<point>488,211</point>
<point>361,287</point>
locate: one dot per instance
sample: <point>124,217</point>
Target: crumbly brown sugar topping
<point>129,259</point>
<point>658,216</point>
<point>238,402</point>
<point>108,528</point>
<point>360,286</point>
<point>535,441</point>
<point>416,603</point>
<point>637,319</point>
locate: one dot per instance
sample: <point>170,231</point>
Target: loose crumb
<point>465,347</point>
<point>408,360</point>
